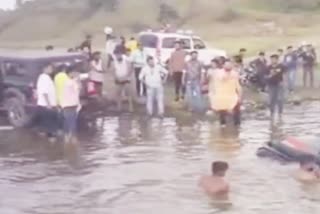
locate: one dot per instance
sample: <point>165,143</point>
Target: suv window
<point>149,41</point>
<point>169,42</point>
<point>198,44</point>
<point>13,69</point>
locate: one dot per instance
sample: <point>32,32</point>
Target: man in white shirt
<point>47,115</point>
<point>139,60</point>
<point>122,70</point>
<point>154,76</point>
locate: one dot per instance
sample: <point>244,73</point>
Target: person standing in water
<point>275,86</point>
<point>70,104</point>
<point>215,185</point>
<point>122,71</point>
<point>227,92</point>
<point>153,76</point>
<point>192,79</point>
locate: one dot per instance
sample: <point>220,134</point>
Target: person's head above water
<point>307,162</point>
<point>219,168</point>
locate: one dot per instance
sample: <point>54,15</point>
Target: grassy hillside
<point>229,24</point>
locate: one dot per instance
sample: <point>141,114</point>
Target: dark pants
<point>236,114</point>
<point>140,86</point>
<point>70,117</point>
<point>177,78</point>
<point>47,120</point>
<point>308,71</point>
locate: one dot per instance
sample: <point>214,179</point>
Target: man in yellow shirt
<point>60,80</point>
<point>132,45</point>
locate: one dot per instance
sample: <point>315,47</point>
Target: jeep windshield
<point>169,42</point>
<point>149,41</point>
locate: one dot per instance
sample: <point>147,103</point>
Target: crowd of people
<point>221,82</point>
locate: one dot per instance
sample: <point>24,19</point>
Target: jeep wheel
<point>17,114</point>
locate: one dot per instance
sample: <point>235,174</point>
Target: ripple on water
<point>133,165</point>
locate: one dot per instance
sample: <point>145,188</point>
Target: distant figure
<point>309,61</point>
<point>309,171</point>
<point>227,93</point>
<point>49,48</point>
<point>291,63</point>
<point>132,45</point>
<point>215,185</point>
<point>192,79</point>
<point>70,105</point>
<point>275,86</point>
<point>177,66</point>
<point>281,55</point>
<point>154,76</point>
<point>121,47</point>
<point>96,74</point>
<point>122,71</point>
<point>212,71</point>
<point>138,59</point>
<point>242,54</point>
<point>261,68</point>
<point>86,45</point>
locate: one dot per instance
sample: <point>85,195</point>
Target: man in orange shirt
<point>227,93</point>
<point>177,65</point>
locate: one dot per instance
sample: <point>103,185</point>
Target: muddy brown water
<point>133,165</point>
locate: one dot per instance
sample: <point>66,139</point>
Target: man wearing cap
<point>275,86</point>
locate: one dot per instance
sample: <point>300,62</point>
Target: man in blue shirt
<point>290,63</point>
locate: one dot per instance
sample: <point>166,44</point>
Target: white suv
<point>160,45</point>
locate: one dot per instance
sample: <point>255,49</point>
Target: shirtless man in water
<point>215,185</point>
<point>309,171</point>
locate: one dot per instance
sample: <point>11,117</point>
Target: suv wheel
<point>17,114</point>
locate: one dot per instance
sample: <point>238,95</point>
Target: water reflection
<point>131,164</point>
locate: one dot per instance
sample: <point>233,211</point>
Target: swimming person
<point>309,171</point>
<point>215,185</point>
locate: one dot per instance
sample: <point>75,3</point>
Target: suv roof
<point>164,35</point>
<point>37,55</point>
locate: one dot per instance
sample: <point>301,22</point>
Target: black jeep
<point>19,71</point>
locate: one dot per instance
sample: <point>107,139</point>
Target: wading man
<point>154,76</point>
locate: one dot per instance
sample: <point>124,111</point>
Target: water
<point>131,165</point>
